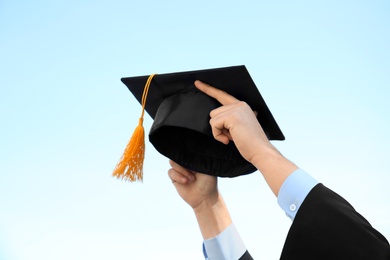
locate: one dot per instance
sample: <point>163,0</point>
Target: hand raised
<point>196,189</point>
<point>235,121</point>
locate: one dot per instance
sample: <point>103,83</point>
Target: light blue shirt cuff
<point>227,245</point>
<point>294,190</point>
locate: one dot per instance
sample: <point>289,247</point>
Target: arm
<point>200,191</point>
<point>326,226</point>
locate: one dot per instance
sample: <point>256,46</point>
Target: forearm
<point>274,167</point>
<point>213,217</point>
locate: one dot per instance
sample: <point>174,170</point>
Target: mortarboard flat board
<point>181,129</point>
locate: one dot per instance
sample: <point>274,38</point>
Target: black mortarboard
<point>181,129</point>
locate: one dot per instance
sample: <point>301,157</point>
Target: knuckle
<point>242,104</point>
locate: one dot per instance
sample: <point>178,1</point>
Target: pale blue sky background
<point>322,66</point>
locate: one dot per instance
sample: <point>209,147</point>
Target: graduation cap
<point>181,129</point>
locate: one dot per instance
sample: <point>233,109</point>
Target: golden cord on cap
<point>130,166</point>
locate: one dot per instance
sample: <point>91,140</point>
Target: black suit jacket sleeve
<point>328,227</point>
<point>246,256</point>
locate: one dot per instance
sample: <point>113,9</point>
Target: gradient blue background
<point>323,67</point>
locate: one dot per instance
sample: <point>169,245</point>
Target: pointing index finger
<point>220,95</point>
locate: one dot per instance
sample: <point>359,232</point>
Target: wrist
<point>274,167</point>
<point>208,203</point>
<point>212,216</point>
<point>269,158</point>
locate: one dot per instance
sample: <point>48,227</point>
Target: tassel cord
<point>130,166</point>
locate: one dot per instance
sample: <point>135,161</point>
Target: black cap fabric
<point>181,129</point>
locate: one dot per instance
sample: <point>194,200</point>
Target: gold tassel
<point>130,166</point>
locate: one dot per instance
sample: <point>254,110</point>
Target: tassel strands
<point>130,166</point>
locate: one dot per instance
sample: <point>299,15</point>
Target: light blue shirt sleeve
<point>294,190</point>
<point>227,245</point>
